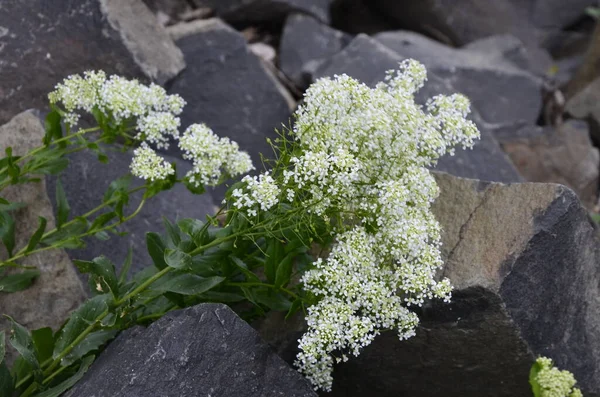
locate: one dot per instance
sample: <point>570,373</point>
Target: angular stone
<point>57,291</point>
<point>523,261</point>
<point>564,155</point>
<point>227,87</point>
<point>367,60</point>
<point>503,48</point>
<point>42,43</point>
<point>498,90</point>
<point>306,40</point>
<point>205,350</point>
<point>246,12</point>
<point>86,180</point>
<point>586,105</point>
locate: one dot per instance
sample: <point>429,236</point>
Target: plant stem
<point>287,291</point>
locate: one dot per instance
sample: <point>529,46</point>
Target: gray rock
<point>564,155</point>
<point>586,105</point>
<point>86,180</point>
<point>498,90</point>
<point>303,40</point>
<point>205,350</point>
<point>459,23</point>
<point>246,12</point>
<point>227,88</point>
<point>358,16</point>
<point>367,60</point>
<point>557,14</point>
<point>57,291</point>
<point>523,261</point>
<point>42,43</point>
<point>503,48</point>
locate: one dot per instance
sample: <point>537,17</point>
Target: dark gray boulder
<point>557,14</point>
<point>367,60</point>
<point>205,350</point>
<point>246,12</point>
<point>304,42</point>
<point>86,180</point>
<point>42,42</point>
<point>523,261</point>
<point>499,90</point>
<point>227,87</point>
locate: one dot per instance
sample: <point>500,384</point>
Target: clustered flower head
<point>152,114</point>
<point>359,157</point>
<point>554,382</point>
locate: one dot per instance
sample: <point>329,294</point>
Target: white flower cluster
<point>153,114</point>
<point>363,153</point>
<point>209,154</point>
<point>261,192</point>
<point>554,382</point>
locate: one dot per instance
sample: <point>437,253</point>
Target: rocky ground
<point>523,257</point>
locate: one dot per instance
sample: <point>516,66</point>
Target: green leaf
<point>275,252</point>
<point>296,305</point>
<point>37,236</point>
<point>80,319</point>
<point>53,127</point>
<point>172,233</point>
<point>284,269</point>
<point>63,206</point>
<point>53,167</point>
<point>21,340</point>
<point>102,220</point>
<point>56,391</point>
<point>189,284</point>
<point>177,259</point>
<point>91,343</point>
<point>7,232</point>
<point>8,206</point>
<point>535,386</point>
<point>103,274</point>
<point>222,297</point>
<point>193,188</point>
<point>19,281</point>
<point>126,266</point>
<point>156,249</point>
<point>7,383</point>
<point>20,369</point>
<point>117,187</point>
<point>272,299</point>
<point>43,340</point>
<point>250,276</point>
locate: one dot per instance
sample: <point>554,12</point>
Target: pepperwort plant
<point>339,226</point>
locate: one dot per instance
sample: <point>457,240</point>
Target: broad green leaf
<point>296,305</point>
<point>63,205</point>
<point>20,369</point>
<point>222,297</point>
<point>53,127</point>
<point>102,220</point>
<point>535,386</point>
<point>19,281</point>
<point>102,235</point>
<point>208,263</point>
<point>91,342</point>
<point>177,259</point>
<point>284,269</point>
<point>174,238</point>
<point>191,227</point>
<point>37,236</point>
<point>156,249</point>
<point>126,266</point>
<point>7,387</point>
<point>189,284</point>
<point>76,227</point>
<point>250,276</point>
<point>7,231</point>
<point>275,253</point>
<point>80,319</point>
<point>43,340</point>
<point>53,167</point>
<point>272,299</point>
<point>117,187</point>
<point>21,340</point>
<point>102,272</point>
<point>56,391</point>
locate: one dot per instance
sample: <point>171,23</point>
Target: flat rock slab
<point>43,42</point>
<point>86,180</point>
<point>57,291</point>
<point>523,259</point>
<point>367,60</point>
<point>205,350</point>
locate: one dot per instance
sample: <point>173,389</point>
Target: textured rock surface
<point>57,290</point>
<point>564,155</point>
<point>205,350</point>
<point>503,48</point>
<point>86,180</point>
<point>586,105</point>
<point>227,88</point>
<point>41,43</point>
<point>256,11</point>
<point>367,60</point>
<point>305,40</point>
<point>523,260</point>
<point>498,90</point>
<point>556,14</point>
